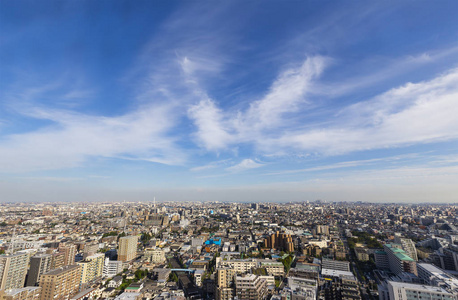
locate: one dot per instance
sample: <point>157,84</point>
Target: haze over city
<point>229,101</point>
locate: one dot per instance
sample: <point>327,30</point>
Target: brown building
<point>69,251</point>
<point>127,248</point>
<point>280,241</point>
<point>61,283</point>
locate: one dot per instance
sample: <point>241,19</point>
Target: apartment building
<point>398,260</point>
<point>13,269</point>
<point>250,287</point>
<point>39,264</point>
<point>61,283</point>
<point>127,249</point>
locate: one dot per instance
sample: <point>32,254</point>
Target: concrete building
<point>155,255</point>
<point>398,260</point>
<point>25,293</point>
<point>13,269</point>
<point>408,246</point>
<point>280,241</point>
<point>274,268</point>
<point>301,288</point>
<point>61,283</point>
<point>250,287</point>
<point>392,290</point>
<point>224,282</point>
<point>127,248</point>
<point>69,251</point>
<point>92,268</point>
<point>39,264</point>
<point>335,264</point>
<point>111,268</point>
<point>432,275</point>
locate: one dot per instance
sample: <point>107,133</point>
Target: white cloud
<point>74,138</point>
<point>414,113</point>
<point>216,129</point>
<point>245,164</point>
<point>211,165</point>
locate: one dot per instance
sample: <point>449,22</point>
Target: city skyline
<point>241,101</point>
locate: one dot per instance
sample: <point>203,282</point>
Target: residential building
<point>61,283</point>
<point>13,270</point>
<point>39,264</point>
<point>127,248</point>
<point>92,268</point>
<point>250,287</point>
<point>398,260</point>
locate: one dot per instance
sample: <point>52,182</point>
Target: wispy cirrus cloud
<point>216,129</point>
<point>72,138</point>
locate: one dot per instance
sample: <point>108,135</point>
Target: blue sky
<point>229,100</point>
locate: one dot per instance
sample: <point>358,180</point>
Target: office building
<point>127,249</point>
<point>61,283</point>
<point>111,268</point>
<point>13,269</point>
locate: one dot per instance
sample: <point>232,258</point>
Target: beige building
<point>250,287</point>
<point>127,249</point>
<point>69,251</point>
<point>155,256</point>
<point>224,280</point>
<point>25,293</point>
<point>92,268</point>
<point>61,283</point>
<point>13,269</point>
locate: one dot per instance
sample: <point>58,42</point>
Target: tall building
<point>250,287</point>
<point>408,246</point>
<point>398,260</point>
<point>392,290</point>
<point>39,264</point>
<point>224,282</point>
<point>280,241</point>
<point>92,268</point>
<point>69,251</point>
<point>127,248</point>
<point>13,269</point>
<point>61,283</point>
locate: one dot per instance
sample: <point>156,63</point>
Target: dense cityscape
<point>213,250</point>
